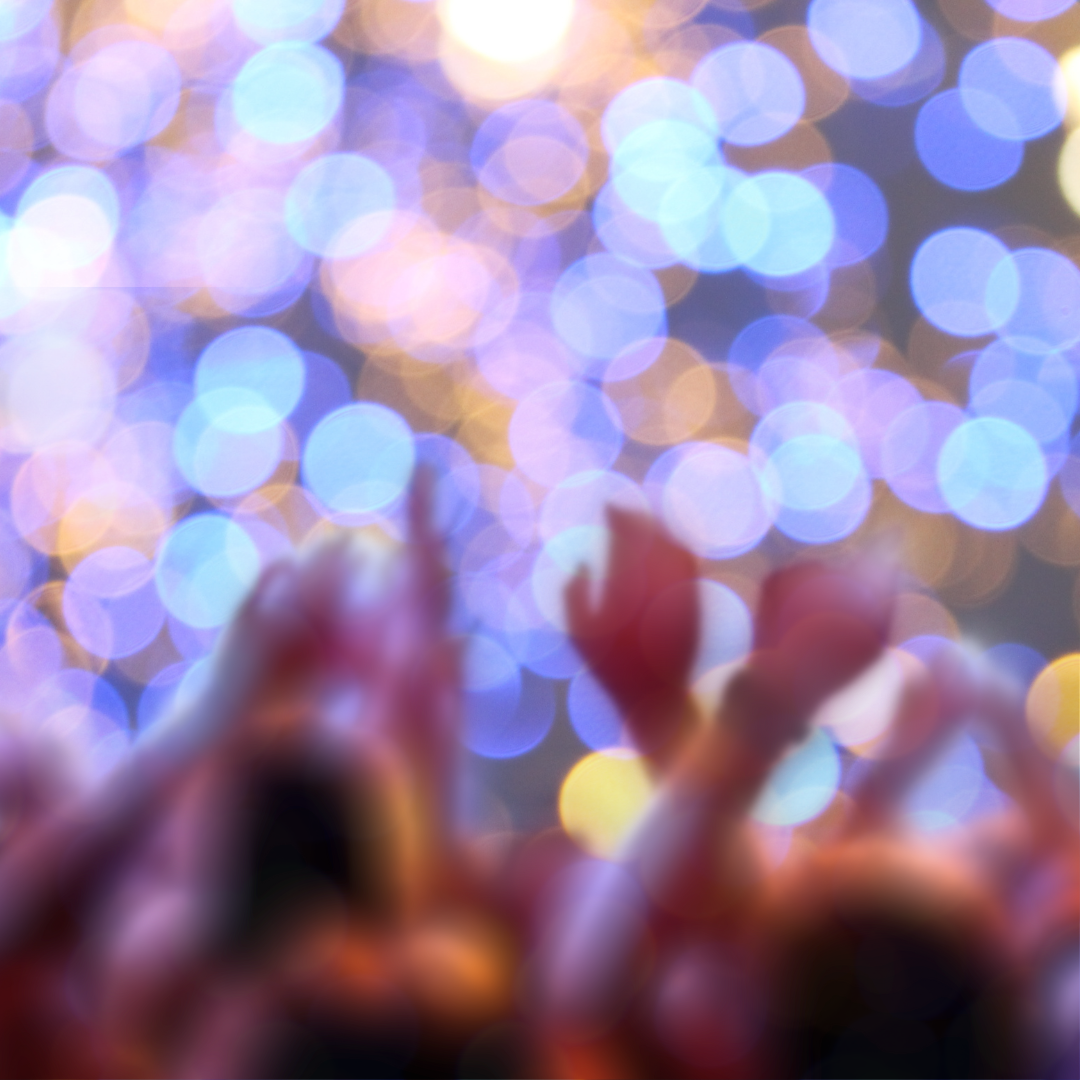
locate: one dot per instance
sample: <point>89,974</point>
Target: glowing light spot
<point>920,76</point>
<point>1048,394</point>
<point>559,560</point>
<point>340,205</point>
<point>529,152</point>
<point>52,388</point>
<point>860,212</point>
<point>289,92</point>
<point>656,162</point>
<point>1053,704</point>
<point>910,451</point>
<point>243,246</point>
<point>258,360</point>
<point>1046,317</point>
<point>126,93</point>
<point>1070,74</point>
<point>814,471</point>
<point>1024,403</point>
<point>1030,10</point>
<point>778,224</point>
<point>802,785</point>
<point>584,498</point>
<point>564,428</point>
<point>507,31</point>
<point>1069,171</point>
<point>111,605</point>
<point>88,715</point>
<point>593,715</point>
<point>627,234</point>
<point>527,354</point>
<point>959,153</point>
<point>712,499</point>
<point>66,219</point>
<point>359,458</point>
<point>227,442</point>
<point>949,790</point>
<point>602,798</point>
<point>861,712</point>
<point>204,568</point>
<point>1012,88</point>
<point>18,17</point>
<point>992,473</point>
<point>1022,662</point>
<point>268,21</point>
<point>602,306</point>
<point>965,282</point>
<point>864,39</point>
<point>691,218</point>
<point>869,400</point>
<point>655,99</point>
<point>726,628</point>
<point>507,711</point>
<point>755,91</point>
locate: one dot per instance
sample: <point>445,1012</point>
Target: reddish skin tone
<point>60,865</point>
<point>817,628</point>
<point>640,638</point>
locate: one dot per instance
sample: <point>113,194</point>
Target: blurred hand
<point>290,619</point>
<point>817,627</point>
<point>639,639</point>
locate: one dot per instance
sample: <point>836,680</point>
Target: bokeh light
<point>288,92</point>
<point>795,279</point>
<point>1012,88</point>
<point>960,153</point>
<point>508,31</point>
<point>965,282</point>
<point>359,458</point>
<point>755,91</point>
<point>204,568</point>
<point>992,473</point>
<point>601,798</point>
<point>864,39</point>
<point>802,785</point>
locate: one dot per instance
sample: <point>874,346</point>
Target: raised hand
<point>640,638</point>
<point>817,627</point>
<point>290,619</point>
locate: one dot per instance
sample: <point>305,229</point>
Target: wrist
<point>662,723</point>
<point>759,709</point>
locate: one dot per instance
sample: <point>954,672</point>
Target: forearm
<point>685,855</point>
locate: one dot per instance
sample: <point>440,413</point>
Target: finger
<point>631,539</point>
<point>272,587</point>
<point>670,563</point>
<point>421,501</point>
<point>579,614</point>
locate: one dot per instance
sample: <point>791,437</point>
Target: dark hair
<point>311,837</point>
<point>868,990</point>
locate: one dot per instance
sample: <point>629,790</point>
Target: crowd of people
<point>274,882</point>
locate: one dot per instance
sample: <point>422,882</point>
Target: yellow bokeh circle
<point>602,797</point>
<point>1053,704</point>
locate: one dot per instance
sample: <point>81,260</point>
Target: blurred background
<point>799,279</point>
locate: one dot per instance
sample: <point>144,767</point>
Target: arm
<point>816,629</point>
<point>60,863</point>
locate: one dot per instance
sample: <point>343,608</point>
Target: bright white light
<point>507,31</point>
<point>54,241</point>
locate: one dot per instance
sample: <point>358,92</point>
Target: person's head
<point>888,962</point>
<point>313,839</point>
